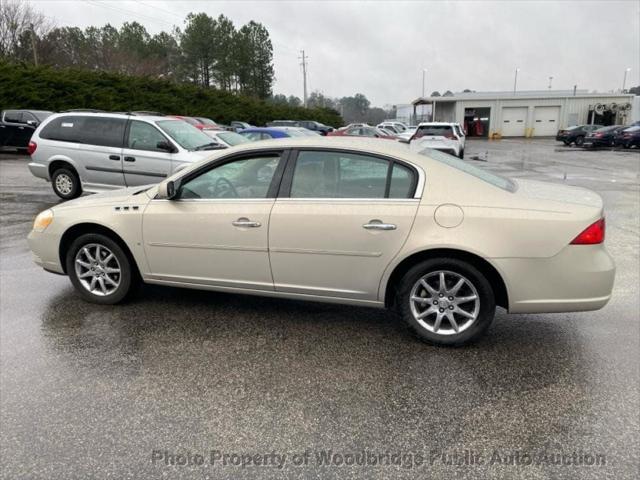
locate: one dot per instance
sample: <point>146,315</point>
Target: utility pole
<point>304,75</point>
<point>624,82</point>
<point>550,82</point>
<point>515,81</point>
<point>33,45</point>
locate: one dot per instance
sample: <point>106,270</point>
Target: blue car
<point>266,133</point>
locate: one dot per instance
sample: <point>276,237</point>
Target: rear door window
<point>13,116</point>
<point>102,131</point>
<point>435,131</point>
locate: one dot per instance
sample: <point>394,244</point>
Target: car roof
<point>151,118</point>
<point>434,124</point>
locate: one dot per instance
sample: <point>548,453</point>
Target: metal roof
<point>520,95</point>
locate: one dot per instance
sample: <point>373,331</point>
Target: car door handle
<point>378,225</point>
<point>129,159</point>
<point>114,157</point>
<point>245,222</point>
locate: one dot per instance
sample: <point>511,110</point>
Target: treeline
<point>48,88</point>
<point>209,52</point>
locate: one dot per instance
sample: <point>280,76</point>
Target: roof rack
<point>146,112</point>
<point>85,110</point>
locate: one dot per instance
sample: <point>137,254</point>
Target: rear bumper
<point>579,278</point>
<point>38,170</point>
<point>596,142</point>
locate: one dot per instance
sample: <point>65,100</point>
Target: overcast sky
<point>380,48</point>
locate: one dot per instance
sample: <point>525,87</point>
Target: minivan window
<point>102,131</point>
<point>62,129</point>
<point>143,136</point>
<point>187,136</point>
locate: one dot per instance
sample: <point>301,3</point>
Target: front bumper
<point>579,278</point>
<point>44,250</point>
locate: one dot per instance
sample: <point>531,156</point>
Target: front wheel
<point>446,301</point>
<point>461,155</point>
<point>99,269</point>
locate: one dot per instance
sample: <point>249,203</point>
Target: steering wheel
<point>224,186</point>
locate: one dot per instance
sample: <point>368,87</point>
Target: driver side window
<point>246,178</point>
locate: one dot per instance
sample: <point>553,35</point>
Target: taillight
<point>591,235</point>
<point>32,147</point>
<point>597,135</point>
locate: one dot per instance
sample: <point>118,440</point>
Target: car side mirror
<point>32,123</point>
<point>166,146</point>
<point>166,190</point>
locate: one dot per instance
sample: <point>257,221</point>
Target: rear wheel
<point>446,301</point>
<point>99,269</point>
<point>566,142</point>
<point>579,141</point>
<point>66,183</point>
<point>461,155</point>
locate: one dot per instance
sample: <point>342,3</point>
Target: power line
<point>128,12</point>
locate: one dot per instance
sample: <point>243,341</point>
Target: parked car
<point>443,136</point>
<point>94,152</point>
<point>314,126</point>
<point>575,134</point>
<point>389,213</point>
<point>399,127</point>
<point>628,137</point>
<point>237,126</point>
<point>371,132</point>
<point>354,125</point>
<point>226,138</point>
<point>17,126</point>
<point>602,137</point>
<point>199,123</point>
<point>407,134</point>
<point>391,130</point>
<point>283,123</point>
<point>267,133</point>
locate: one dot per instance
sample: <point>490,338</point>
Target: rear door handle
<point>114,157</point>
<point>245,222</point>
<point>378,225</point>
<point>129,159</point>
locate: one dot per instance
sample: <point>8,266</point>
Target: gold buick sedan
<point>360,222</point>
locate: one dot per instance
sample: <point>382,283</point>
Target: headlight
<point>43,220</point>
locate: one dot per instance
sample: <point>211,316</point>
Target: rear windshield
<point>233,138</point>
<point>607,129</point>
<point>631,129</point>
<point>435,130</point>
<point>495,180</point>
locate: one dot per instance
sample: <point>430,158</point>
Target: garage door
<point>514,120</point>
<point>545,121</point>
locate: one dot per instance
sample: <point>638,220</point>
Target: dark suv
<point>575,134</point>
<point>17,126</point>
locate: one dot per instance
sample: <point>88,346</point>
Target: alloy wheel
<point>97,269</point>
<point>444,302</point>
<point>64,184</point>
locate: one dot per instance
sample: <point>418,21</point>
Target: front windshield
<point>455,162</point>
<point>233,138</point>
<point>41,114</point>
<point>187,136</point>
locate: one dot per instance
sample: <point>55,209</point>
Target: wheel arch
<point>486,268</point>
<point>62,162</point>
<point>75,231</point>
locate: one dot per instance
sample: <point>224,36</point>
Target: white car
<point>360,222</point>
<point>399,127</point>
<point>226,138</point>
<point>443,136</point>
<point>93,152</point>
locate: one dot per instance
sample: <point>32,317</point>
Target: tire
<point>579,141</point>
<point>626,145</point>
<point>461,154</point>
<point>566,142</point>
<point>102,292</point>
<point>66,183</point>
<point>475,284</point>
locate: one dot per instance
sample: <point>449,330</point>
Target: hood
<point>112,197</point>
<point>558,193</point>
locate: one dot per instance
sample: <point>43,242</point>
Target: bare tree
<point>20,28</point>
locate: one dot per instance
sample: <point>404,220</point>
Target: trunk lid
<point>558,193</point>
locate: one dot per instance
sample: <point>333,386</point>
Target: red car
<point>200,123</point>
<point>371,132</point>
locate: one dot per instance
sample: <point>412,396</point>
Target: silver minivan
<point>94,152</point>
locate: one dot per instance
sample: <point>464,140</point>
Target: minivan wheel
<point>446,301</point>
<point>99,269</point>
<point>66,183</point>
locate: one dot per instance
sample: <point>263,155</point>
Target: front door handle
<point>129,159</point>
<point>378,225</point>
<point>114,157</point>
<point>245,222</point>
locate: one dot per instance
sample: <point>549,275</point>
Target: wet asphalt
<point>183,376</point>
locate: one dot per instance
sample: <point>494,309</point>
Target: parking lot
<point>122,391</point>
